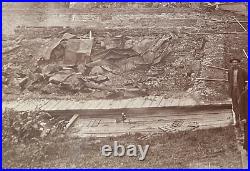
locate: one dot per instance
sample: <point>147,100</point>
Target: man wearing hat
<point>237,78</point>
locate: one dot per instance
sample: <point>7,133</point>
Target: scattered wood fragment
<point>245,53</point>
<point>218,33</point>
<point>240,24</point>
<point>209,79</point>
<point>71,121</point>
<point>216,67</point>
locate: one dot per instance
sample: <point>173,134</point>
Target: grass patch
<point>214,148</point>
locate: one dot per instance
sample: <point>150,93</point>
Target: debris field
<point>148,54</point>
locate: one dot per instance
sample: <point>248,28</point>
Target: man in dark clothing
<point>243,111</point>
<point>237,78</point>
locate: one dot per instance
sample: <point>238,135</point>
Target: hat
<point>235,59</point>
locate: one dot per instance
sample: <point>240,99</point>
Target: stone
<point>50,88</point>
<point>51,68</point>
<point>96,70</point>
<point>58,78</point>
<point>81,68</point>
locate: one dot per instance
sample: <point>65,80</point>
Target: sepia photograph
<point>125,85</point>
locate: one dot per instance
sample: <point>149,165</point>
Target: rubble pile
<point>111,66</point>
<point>119,63</point>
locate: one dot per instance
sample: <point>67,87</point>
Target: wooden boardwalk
<point>133,103</point>
<point>156,121</point>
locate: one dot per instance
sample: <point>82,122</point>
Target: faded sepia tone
<point>79,76</point>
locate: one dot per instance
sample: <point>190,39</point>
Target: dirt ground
<point>184,57</point>
<point>215,148</point>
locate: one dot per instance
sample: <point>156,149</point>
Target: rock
<point>196,65</point>
<point>128,44</point>
<point>144,45</point>
<point>99,94</point>
<point>51,68</point>
<point>58,78</point>
<point>37,70</point>
<point>102,44</point>
<point>5,80</point>
<point>50,88</point>
<point>23,82</point>
<point>35,87</point>
<point>130,93</point>
<point>73,83</point>
<point>96,70</point>
<point>152,73</point>
<point>37,77</point>
<point>98,78</point>
<point>81,68</point>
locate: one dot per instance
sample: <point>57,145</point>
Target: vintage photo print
<point>125,85</point>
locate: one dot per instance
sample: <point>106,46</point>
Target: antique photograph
<point>125,85</point>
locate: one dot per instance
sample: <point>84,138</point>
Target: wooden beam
<point>71,121</point>
<point>219,33</point>
<point>240,24</point>
<point>245,53</point>
<point>210,79</point>
<point>224,69</point>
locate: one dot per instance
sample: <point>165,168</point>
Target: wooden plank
<point>71,121</point>
<point>245,53</point>
<point>42,103</point>
<point>138,102</point>
<point>240,24</point>
<point>148,101</point>
<point>45,105</point>
<point>63,105</point>
<point>174,102</point>
<point>122,103</point>
<point>224,69</point>
<point>157,101</point>
<point>60,105</point>
<point>130,102</point>
<point>219,33</point>
<point>30,105</point>
<point>103,104</point>
<point>50,105</point>
<point>210,79</point>
<point>109,104</point>
<point>22,106</point>
<point>115,104</point>
<point>83,104</point>
<point>19,103</point>
<point>164,101</point>
<point>93,104</point>
<point>187,102</point>
<point>72,105</point>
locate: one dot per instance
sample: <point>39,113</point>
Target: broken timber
<point>219,33</point>
<point>71,121</point>
<point>210,79</point>
<point>245,53</point>
<point>240,24</point>
<point>216,67</point>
